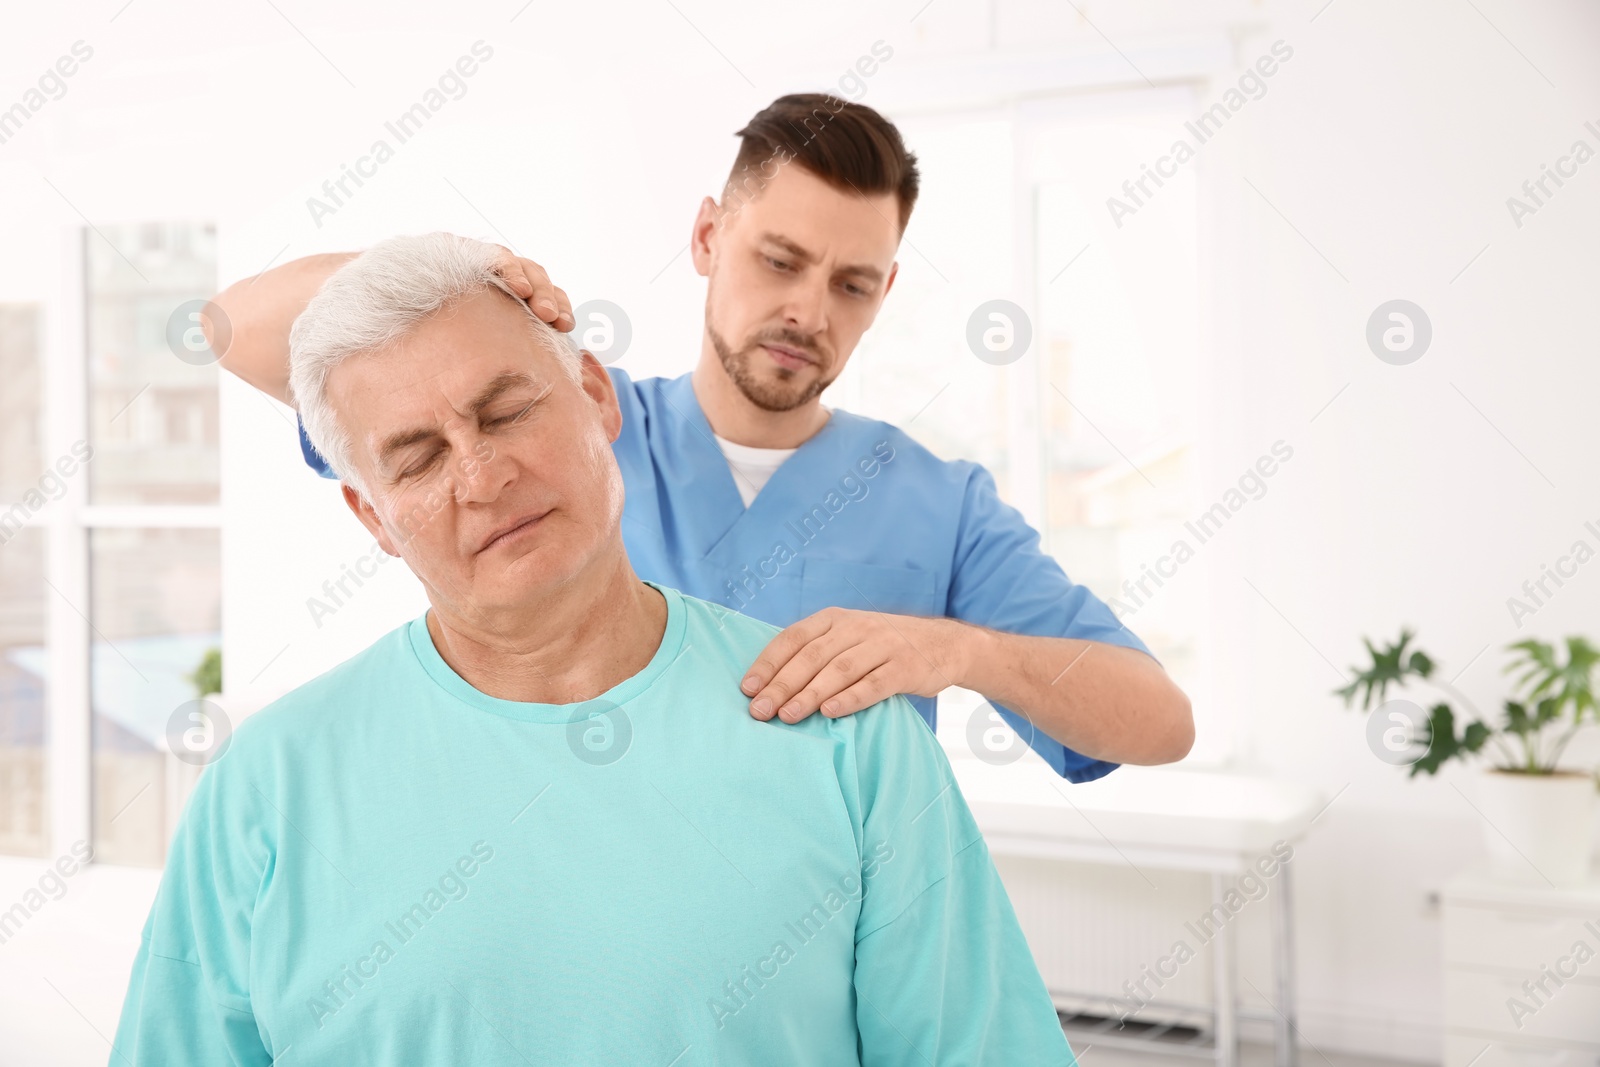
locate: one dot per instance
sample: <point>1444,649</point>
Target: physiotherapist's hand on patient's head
<point>530,282</point>
<point>839,661</point>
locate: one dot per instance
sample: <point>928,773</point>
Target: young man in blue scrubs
<point>892,570</point>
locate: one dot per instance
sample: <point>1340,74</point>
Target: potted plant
<point>197,733</point>
<point>1539,817</point>
<point>207,677</point>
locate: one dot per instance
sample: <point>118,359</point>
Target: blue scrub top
<point>861,516</point>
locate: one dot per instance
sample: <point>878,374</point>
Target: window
<point>152,410</point>
<point>156,607</point>
<point>913,367</point>
<point>24,828</point>
<point>155,587</point>
<point>112,582</point>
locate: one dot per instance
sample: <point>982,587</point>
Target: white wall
<point>1377,166</point>
<point>1424,495</point>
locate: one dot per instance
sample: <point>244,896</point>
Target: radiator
<point>1107,939</point>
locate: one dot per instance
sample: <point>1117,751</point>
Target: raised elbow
<point>1180,729</point>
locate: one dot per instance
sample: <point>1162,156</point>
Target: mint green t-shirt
<point>388,866</point>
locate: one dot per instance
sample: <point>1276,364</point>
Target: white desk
<point>1167,819</point>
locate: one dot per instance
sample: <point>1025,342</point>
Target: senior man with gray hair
<point>536,824</point>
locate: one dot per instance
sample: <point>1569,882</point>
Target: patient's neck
<point>591,636</point>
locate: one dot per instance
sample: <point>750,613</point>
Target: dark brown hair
<point>848,145</point>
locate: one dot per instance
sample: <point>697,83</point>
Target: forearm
<point>1104,701</point>
<point>259,312</point>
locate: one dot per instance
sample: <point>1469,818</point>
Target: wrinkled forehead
<point>428,350</point>
<point>452,365</point>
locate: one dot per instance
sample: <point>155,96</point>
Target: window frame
<point>68,524</point>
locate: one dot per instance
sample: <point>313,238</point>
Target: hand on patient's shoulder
<point>840,661</point>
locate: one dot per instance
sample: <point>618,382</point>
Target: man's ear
<point>599,387</point>
<point>706,223</point>
<point>369,518</point>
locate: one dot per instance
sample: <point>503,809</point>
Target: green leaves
<point>1389,667</point>
<point>1571,683</point>
<point>207,677</point>
<point>1444,743</point>
<point>1556,691</point>
<point>1521,723</point>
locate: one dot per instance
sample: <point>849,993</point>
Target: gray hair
<point>375,300</point>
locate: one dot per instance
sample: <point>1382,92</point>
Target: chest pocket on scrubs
<point>868,587</point>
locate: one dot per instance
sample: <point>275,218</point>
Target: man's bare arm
<point>259,311</point>
<point>1111,703</point>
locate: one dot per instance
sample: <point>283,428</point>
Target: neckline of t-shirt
<point>444,676</point>
<point>751,456</point>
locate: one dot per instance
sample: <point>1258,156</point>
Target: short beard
<point>759,393</point>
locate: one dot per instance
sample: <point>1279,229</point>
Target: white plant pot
<point>1539,827</point>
